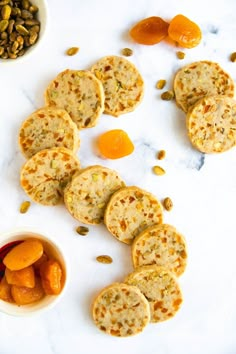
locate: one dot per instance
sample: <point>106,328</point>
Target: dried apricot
<point>40,261</point>
<point>115,144</point>
<point>149,31</point>
<point>22,277</point>
<point>185,32</point>
<point>5,291</point>
<point>51,276</point>
<point>24,296</point>
<point>24,254</point>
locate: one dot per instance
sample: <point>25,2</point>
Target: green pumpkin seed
<point>1,50</point>
<point>25,4</point>
<point>14,46</point>
<point>4,2</point>
<point>82,230</point>
<point>25,14</point>
<point>104,259</point>
<point>31,22</point>
<point>10,26</point>
<point>4,35</point>
<point>33,9</point>
<point>72,51</point>
<point>6,12</point>
<point>3,25</point>
<point>33,38</point>
<point>35,28</point>
<point>22,30</point>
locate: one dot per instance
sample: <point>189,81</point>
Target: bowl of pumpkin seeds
<point>22,28</point>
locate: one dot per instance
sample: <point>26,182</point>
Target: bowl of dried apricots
<point>33,272</point>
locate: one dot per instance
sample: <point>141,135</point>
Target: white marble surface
<point>203,189</point>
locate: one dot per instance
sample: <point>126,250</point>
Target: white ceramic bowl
<point>42,16</point>
<point>53,249</point>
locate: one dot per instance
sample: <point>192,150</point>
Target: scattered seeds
<point>104,259</point>
<point>167,95</point>
<point>161,154</point>
<point>167,203</point>
<point>72,51</point>
<point>24,207</point>
<point>233,57</point>
<point>82,230</point>
<point>158,170</point>
<point>127,52</point>
<point>180,55</point>
<point>160,84</point>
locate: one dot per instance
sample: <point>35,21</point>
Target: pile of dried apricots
<point>153,30</point>
<point>30,273</point>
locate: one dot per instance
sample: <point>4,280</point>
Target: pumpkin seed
<point>180,55</point>
<point>33,38</point>
<point>3,25</point>
<point>72,51</point>
<point>24,207</point>
<point>25,14</point>
<point>10,26</point>
<point>161,155</point>
<point>22,30</point>
<point>1,50</point>
<point>167,95</point>
<point>4,2</point>
<point>104,259</point>
<point>25,4</point>
<point>33,9</point>
<point>32,22</point>
<point>6,12</point>
<point>127,52</point>
<point>160,84</point>
<point>82,230</point>
<point>233,57</point>
<point>158,170</point>
<point>4,35</point>
<point>167,203</point>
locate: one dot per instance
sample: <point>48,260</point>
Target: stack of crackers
<point>204,91</point>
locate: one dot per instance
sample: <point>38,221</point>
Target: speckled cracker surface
<point>122,82</point>
<point>131,210</point>
<point>121,310</point>
<point>87,195</point>
<point>162,245</point>
<point>211,124</point>
<point>161,289</point>
<point>45,175</point>
<point>46,128</point>
<point>80,93</point>
<point>199,79</point>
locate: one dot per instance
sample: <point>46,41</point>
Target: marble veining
<point>202,187</point>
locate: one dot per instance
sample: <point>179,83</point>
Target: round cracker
<point>87,195</point>
<point>45,175</point>
<point>161,288</point>
<point>121,310</point>
<point>211,124</point>
<point>199,79</point>
<point>131,210</point>
<point>80,93</point>
<point>162,245</point>
<point>46,128</point>
<point>122,82</point>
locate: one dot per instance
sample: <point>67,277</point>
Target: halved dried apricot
<point>24,296</point>
<point>185,32</point>
<point>5,290</point>
<point>51,276</point>
<point>22,277</point>
<point>115,144</point>
<point>24,254</point>
<point>150,30</point>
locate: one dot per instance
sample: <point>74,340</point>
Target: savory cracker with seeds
<point>199,79</point>
<point>161,288</point>
<point>129,211</point>
<point>211,124</point>
<point>46,128</point>
<point>80,93</point>
<point>122,82</point>
<point>87,195</point>
<point>45,175</point>
<point>121,310</point>
<point>162,245</point>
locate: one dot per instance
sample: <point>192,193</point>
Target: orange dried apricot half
<point>24,296</point>
<point>115,144</point>
<point>22,277</point>
<point>24,254</point>
<point>51,276</point>
<point>150,30</point>
<point>5,290</point>
<point>185,32</point>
